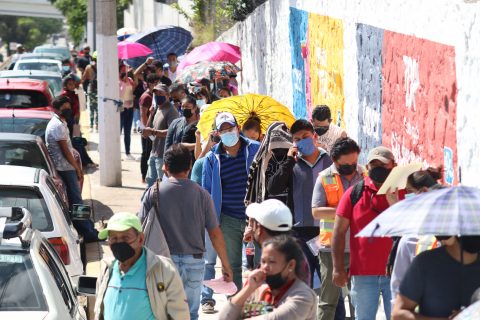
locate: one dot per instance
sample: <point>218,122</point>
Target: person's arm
<point>404,309</point>
<point>188,145</point>
<point>146,204</point>
<point>69,156</point>
<point>340,276</point>
<point>169,137</point>
<point>319,203</point>
<point>281,179</point>
<point>207,174</point>
<point>85,74</point>
<point>143,115</point>
<point>218,243</point>
<point>142,67</point>
<point>154,132</point>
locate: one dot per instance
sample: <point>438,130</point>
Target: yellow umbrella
<point>265,108</point>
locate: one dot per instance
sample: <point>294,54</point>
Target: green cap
<point>121,221</point>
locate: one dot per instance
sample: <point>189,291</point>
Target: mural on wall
<point>317,56</point>
<point>407,97</point>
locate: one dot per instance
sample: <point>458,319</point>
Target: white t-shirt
<point>172,75</point>
<point>328,139</point>
<point>57,130</point>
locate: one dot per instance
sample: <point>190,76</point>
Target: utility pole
<point>91,24</point>
<point>107,76</point>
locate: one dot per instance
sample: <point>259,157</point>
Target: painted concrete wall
<point>145,14</point>
<point>399,73</point>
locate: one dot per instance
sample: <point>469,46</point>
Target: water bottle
<point>250,253</point>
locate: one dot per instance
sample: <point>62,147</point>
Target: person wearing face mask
<point>358,206</point>
<point>136,284</point>
<point>89,81</point>
<point>224,176</point>
<point>172,66</point>
<point>161,118</point>
<point>329,188</point>
<point>298,174</point>
<point>182,130</point>
<point>275,291</point>
<point>441,281</point>
<point>127,86</point>
<point>326,131</point>
<point>61,151</point>
<point>69,91</point>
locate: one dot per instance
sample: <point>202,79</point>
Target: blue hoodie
<point>211,180</point>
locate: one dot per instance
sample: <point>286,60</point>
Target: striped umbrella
<point>444,212</point>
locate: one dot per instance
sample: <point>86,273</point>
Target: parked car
<point>48,48</point>
<point>53,56</point>
<point>39,64</point>
<point>29,151</point>
<point>33,281</point>
<point>34,189</point>
<point>25,94</point>
<point>54,79</point>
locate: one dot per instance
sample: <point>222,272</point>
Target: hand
<point>248,234</point>
<point>256,278</point>
<point>340,278</point>
<point>392,196</point>
<point>292,152</point>
<point>79,173</point>
<point>227,273</point>
<point>198,133</point>
<point>146,132</point>
<point>149,60</point>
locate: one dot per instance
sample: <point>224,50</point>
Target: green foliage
<point>29,31</point>
<point>75,11</point>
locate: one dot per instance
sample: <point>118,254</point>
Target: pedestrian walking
<point>137,284</point>
<point>127,86</point>
<point>61,151</point>
<point>160,118</point>
<point>368,256</point>
<point>224,176</point>
<point>327,132</point>
<point>275,291</point>
<point>182,130</point>
<point>89,77</point>
<point>305,160</point>
<point>181,200</point>
<point>329,188</point>
<point>146,107</point>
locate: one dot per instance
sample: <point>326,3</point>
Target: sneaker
<point>208,307</point>
<point>130,157</point>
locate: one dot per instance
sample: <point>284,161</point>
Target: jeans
<point>191,271</point>
<point>210,261</point>
<point>154,171</point>
<point>136,117</point>
<point>146,150</point>
<point>365,294</point>
<point>232,229</point>
<point>331,304</point>
<point>85,228</point>
<point>126,120</point>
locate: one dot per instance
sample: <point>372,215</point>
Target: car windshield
<point>45,66</point>
<point>60,51</point>
<point>22,99</point>
<point>13,196</point>
<point>22,153</point>
<point>20,288</point>
<point>33,126</point>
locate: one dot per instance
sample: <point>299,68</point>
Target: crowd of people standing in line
<point>313,187</point>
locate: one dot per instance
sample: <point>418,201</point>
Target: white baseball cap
<point>224,117</point>
<point>272,214</point>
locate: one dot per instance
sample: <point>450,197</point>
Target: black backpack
<point>357,192</point>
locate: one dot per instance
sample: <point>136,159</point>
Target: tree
<point>75,11</point>
<point>29,31</point>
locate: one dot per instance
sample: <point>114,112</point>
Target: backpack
<point>154,235</point>
<point>357,192</point>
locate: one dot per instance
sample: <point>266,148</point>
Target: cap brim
<point>380,158</point>
<point>252,210</point>
<point>102,235</point>
<point>229,122</point>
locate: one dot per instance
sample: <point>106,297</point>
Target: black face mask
<point>379,174</point>
<point>66,113</point>
<point>471,244</point>
<point>187,113</point>
<point>321,130</point>
<point>346,169</point>
<point>122,251</point>
<point>276,281</point>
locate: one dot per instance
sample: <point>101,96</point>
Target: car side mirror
<point>87,286</point>
<point>81,212</point>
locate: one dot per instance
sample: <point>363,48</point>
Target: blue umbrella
<point>163,40</point>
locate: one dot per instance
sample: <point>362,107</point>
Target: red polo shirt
<point>368,256</point>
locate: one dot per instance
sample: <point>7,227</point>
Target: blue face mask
<point>230,139</point>
<point>410,195</point>
<point>66,68</point>
<point>160,100</point>
<point>306,146</point>
<point>201,102</point>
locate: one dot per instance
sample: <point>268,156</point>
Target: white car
<point>33,281</point>
<point>34,189</point>
<point>39,64</point>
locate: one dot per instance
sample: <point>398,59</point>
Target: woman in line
<point>275,290</point>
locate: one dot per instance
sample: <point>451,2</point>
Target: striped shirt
<point>233,174</point>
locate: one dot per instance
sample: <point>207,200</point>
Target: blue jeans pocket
<point>194,277</point>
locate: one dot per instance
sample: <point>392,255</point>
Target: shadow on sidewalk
<point>99,210</point>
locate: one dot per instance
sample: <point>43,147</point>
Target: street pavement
<point>106,201</point>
